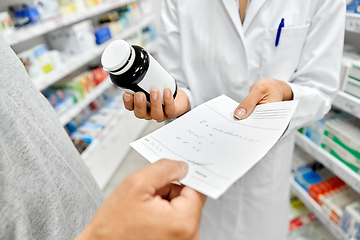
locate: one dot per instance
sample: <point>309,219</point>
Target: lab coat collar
<point>233,10</point>
<point>251,13</point>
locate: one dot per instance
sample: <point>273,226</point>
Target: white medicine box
<point>47,8</point>
<point>73,40</point>
<point>36,61</point>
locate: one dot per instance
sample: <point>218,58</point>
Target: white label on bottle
<point>157,77</point>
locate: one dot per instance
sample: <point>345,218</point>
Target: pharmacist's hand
<point>261,92</point>
<point>173,108</point>
<point>147,206</point>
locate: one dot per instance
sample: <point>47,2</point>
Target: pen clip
<point>281,25</point>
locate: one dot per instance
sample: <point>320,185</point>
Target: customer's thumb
<point>160,173</point>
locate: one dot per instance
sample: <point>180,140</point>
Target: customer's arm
<point>148,206</point>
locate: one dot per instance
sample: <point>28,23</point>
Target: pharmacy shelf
<point>352,22</point>
<point>78,61</point>
<point>108,151</point>
<point>347,103</point>
<point>41,28</point>
<point>86,153</point>
<point>73,111</point>
<point>317,210</point>
<point>329,161</point>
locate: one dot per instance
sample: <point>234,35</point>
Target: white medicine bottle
<point>132,68</point>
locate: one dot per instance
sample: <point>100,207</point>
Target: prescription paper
<point>218,148</point>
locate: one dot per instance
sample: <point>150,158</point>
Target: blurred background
<point>60,43</point>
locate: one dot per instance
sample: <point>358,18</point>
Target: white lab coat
<point>209,52</point>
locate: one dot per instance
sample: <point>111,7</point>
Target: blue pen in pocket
<point>281,25</point>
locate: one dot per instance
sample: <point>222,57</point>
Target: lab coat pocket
<point>281,61</point>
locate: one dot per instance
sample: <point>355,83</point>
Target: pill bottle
<point>133,69</point>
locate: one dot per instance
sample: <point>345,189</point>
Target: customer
<point>47,191</point>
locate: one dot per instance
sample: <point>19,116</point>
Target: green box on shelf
<point>341,154</point>
<point>346,133</point>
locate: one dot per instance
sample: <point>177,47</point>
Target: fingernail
<point>240,113</point>
<point>184,165</point>
<point>126,98</point>
<point>167,92</point>
<point>153,94</point>
<point>138,97</point>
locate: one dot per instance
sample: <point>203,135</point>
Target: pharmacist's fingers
<point>156,110</point>
<point>246,107</point>
<point>128,101</point>
<point>140,109</point>
<point>169,104</point>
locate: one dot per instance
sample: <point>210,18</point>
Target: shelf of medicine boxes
<point>73,111</point>
<point>329,161</point>
<point>317,210</point>
<point>41,28</point>
<point>102,135</point>
<point>352,22</point>
<point>105,154</point>
<point>78,61</point>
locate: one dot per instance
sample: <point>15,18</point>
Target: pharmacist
<point>47,191</point>
<point>255,52</point>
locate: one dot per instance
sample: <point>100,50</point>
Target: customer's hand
<point>148,206</point>
<point>172,109</point>
<point>263,91</point>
